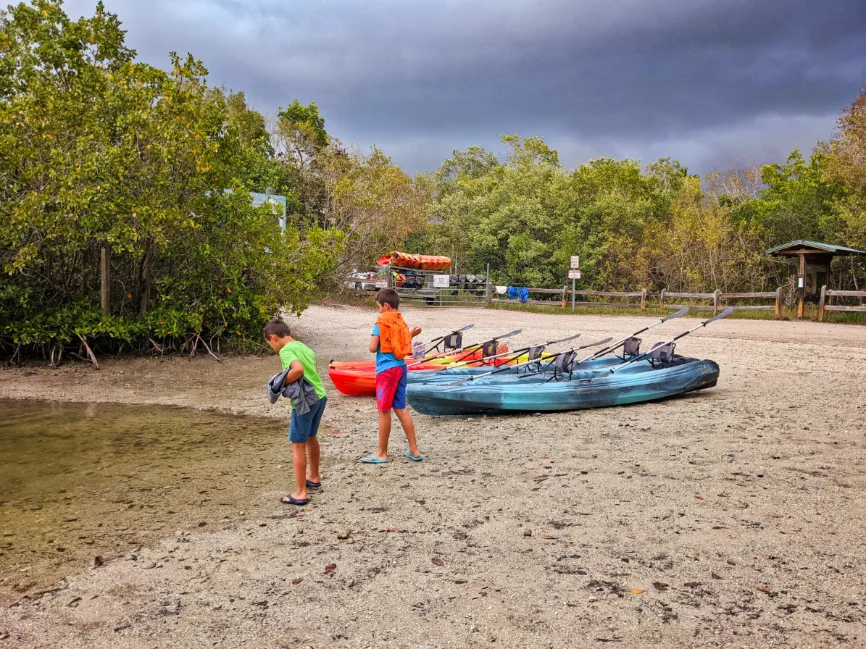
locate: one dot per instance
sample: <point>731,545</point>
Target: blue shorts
<point>302,427</point>
<point>391,389</point>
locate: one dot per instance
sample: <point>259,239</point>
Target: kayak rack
<point>437,288</point>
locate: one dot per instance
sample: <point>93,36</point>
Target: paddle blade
<point>466,328</point>
<point>600,342</point>
<point>723,314</point>
<point>678,314</point>
<point>508,335</point>
<point>565,340</point>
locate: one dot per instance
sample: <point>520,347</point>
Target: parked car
<point>363,281</point>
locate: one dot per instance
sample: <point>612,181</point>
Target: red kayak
<point>358,378</point>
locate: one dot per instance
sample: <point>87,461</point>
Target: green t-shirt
<point>296,351</point>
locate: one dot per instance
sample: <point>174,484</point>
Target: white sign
<point>575,262</point>
<point>381,283</point>
<point>574,274</point>
<point>441,281</point>
<point>799,282</point>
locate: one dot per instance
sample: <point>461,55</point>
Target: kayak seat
<point>563,364</point>
<point>489,348</point>
<point>534,353</point>
<point>663,354</point>
<point>631,347</point>
<point>453,341</point>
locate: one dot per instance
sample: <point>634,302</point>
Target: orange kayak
<point>417,262</point>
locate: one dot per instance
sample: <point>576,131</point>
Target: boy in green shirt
<point>300,360</point>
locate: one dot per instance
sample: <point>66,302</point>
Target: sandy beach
<point>732,517</point>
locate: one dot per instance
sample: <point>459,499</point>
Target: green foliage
<point>526,215</point>
<point>846,168</point>
<point>98,153</point>
<point>796,202</point>
<point>304,125</point>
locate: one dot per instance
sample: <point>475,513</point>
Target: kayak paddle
<point>511,367</point>
<point>471,349</point>
<point>621,342</point>
<point>516,353</point>
<point>723,314</point>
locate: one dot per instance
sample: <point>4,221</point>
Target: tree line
<point>126,219</point>
<point>654,226</point>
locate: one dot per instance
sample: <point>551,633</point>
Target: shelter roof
<point>802,245</point>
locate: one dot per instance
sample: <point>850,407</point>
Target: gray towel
<point>301,392</point>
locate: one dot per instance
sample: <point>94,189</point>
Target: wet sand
<point>727,518</point>
<point>82,483</point>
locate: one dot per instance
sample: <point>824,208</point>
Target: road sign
<point>440,281</point>
<point>574,274</point>
<point>575,262</point>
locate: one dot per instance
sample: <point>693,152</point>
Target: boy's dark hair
<point>278,328</point>
<point>388,296</point>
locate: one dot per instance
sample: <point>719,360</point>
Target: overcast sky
<point>712,83</point>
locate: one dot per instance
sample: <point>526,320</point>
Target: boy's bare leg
<point>299,460</point>
<point>408,428</point>
<point>384,433</point>
<point>313,453</point>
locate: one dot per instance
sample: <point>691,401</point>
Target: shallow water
<point>81,481</point>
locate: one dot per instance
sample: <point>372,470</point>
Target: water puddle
<point>85,482</point>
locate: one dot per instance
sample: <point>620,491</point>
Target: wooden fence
<point>718,300</point>
<point>564,293</point>
<point>827,295</point>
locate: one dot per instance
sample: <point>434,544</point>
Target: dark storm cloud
<point>711,83</point>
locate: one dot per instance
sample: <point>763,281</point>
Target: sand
<point>732,517</point>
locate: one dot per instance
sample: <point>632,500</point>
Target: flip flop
<point>414,458</point>
<point>372,459</point>
<point>288,500</point>
<point>313,485</point>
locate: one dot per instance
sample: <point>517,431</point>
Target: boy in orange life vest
<point>391,342</point>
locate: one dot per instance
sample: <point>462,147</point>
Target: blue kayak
<point>587,387</point>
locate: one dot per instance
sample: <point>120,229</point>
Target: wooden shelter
<point>814,265</point>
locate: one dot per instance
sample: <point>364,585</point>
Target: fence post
<point>717,296</point>
<point>643,300</point>
<point>662,300</point>
<point>488,289</point>
<point>779,302</point>
<point>822,302</point>
<point>564,299</point>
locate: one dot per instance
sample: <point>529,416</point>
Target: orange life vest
<point>394,335</point>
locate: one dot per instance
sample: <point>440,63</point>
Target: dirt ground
<point>729,518</point>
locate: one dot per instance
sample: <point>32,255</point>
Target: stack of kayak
<point>539,381</point>
<point>358,378</point>
<point>415,262</point>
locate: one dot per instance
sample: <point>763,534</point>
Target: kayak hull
<point>358,378</point>
<point>587,389</point>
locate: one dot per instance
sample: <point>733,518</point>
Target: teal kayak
<point>591,386</point>
<point>447,374</point>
